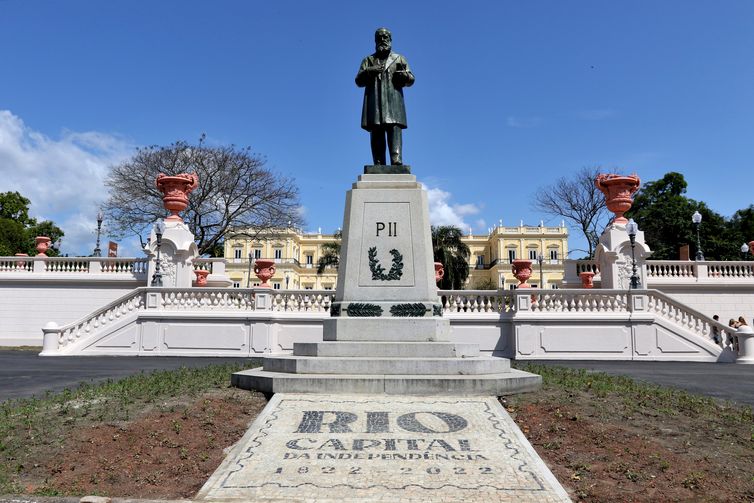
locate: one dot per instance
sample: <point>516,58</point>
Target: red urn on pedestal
<point>264,268</point>
<point>618,190</point>
<point>175,190</point>
<point>522,271</point>
<point>751,247</point>
<point>439,272</point>
<point>21,264</point>
<point>201,277</point>
<point>587,279</point>
<point>43,244</point>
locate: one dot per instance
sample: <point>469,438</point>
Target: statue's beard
<point>383,49</point>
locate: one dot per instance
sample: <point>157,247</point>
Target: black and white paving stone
<point>306,447</point>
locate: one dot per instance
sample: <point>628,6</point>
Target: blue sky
<point>509,95</point>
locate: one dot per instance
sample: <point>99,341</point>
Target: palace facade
<point>297,254</point>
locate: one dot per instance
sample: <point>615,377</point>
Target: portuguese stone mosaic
<point>377,448</point>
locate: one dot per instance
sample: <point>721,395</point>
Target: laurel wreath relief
<point>378,272</point>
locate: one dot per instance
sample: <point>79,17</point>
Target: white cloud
<point>443,212</point>
<point>62,177</point>
<point>523,122</point>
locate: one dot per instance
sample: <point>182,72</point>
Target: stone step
<point>387,349</point>
<point>388,366</point>
<point>386,329</point>
<point>504,383</point>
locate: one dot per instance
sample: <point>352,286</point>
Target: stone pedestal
<point>386,333</point>
<point>177,253</point>
<point>613,255</point>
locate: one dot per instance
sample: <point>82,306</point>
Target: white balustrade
<point>670,269</point>
<point>302,301</point>
<point>112,265</point>
<point>206,299</point>
<point>730,269</point>
<point>476,301</point>
<point>16,264</point>
<point>107,315</point>
<point>579,301</point>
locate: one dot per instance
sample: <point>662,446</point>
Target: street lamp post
<point>744,250</point>
<point>100,217</point>
<point>287,279</point>
<point>632,229</point>
<point>248,276</point>
<point>159,229</point>
<point>697,219</point>
<point>540,260</point>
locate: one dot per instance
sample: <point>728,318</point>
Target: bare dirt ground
<point>601,452</point>
<point>158,454</point>
<point>606,439</point>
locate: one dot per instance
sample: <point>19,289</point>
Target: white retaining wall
<point>26,306</point>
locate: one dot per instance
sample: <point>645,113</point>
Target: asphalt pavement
<point>24,374</point>
<point>726,381</point>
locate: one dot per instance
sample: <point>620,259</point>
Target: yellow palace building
<point>297,254</point>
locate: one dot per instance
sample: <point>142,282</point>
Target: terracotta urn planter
<point>264,268</point>
<point>201,277</point>
<point>439,272</point>
<point>619,191</point>
<point>522,271</point>
<point>21,263</point>
<point>175,190</point>
<point>43,244</point>
<point>587,279</point>
<point>751,247</point>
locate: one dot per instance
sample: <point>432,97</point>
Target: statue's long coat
<point>383,97</point>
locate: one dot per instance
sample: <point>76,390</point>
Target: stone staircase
<point>340,364</point>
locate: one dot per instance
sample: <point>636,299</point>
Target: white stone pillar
<point>177,254</point>
<point>613,256</point>
<point>745,345</point>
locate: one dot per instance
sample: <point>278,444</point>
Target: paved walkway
<point>23,373</point>
<point>726,381</point>
<point>378,448</point>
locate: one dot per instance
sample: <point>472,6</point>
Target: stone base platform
<point>498,384</point>
<point>365,448</point>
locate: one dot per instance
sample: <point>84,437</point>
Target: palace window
<point>553,254</point>
<point>511,255</point>
<point>236,284</point>
<point>276,286</point>
<point>278,253</point>
<point>237,253</point>
<point>532,254</point>
<point>309,259</point>
<point>258,253</point>
<point>480,260</point>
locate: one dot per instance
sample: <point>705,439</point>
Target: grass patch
<point>34,349</point>
<point>29,425</point>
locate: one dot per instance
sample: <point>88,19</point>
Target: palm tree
<point>453,253</point>
<point>330,253</point>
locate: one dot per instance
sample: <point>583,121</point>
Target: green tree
<point>664,213</point>
<point>453,253</point>
<point>330,253</point>
<point>18,230</point>
<point>741,226</point>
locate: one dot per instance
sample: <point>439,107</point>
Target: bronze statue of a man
<point>383,75</point>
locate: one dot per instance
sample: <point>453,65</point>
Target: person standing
<point>716,332</point>
<point>383,75</point>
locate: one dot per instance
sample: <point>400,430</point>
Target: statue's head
<point>383,40</point>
